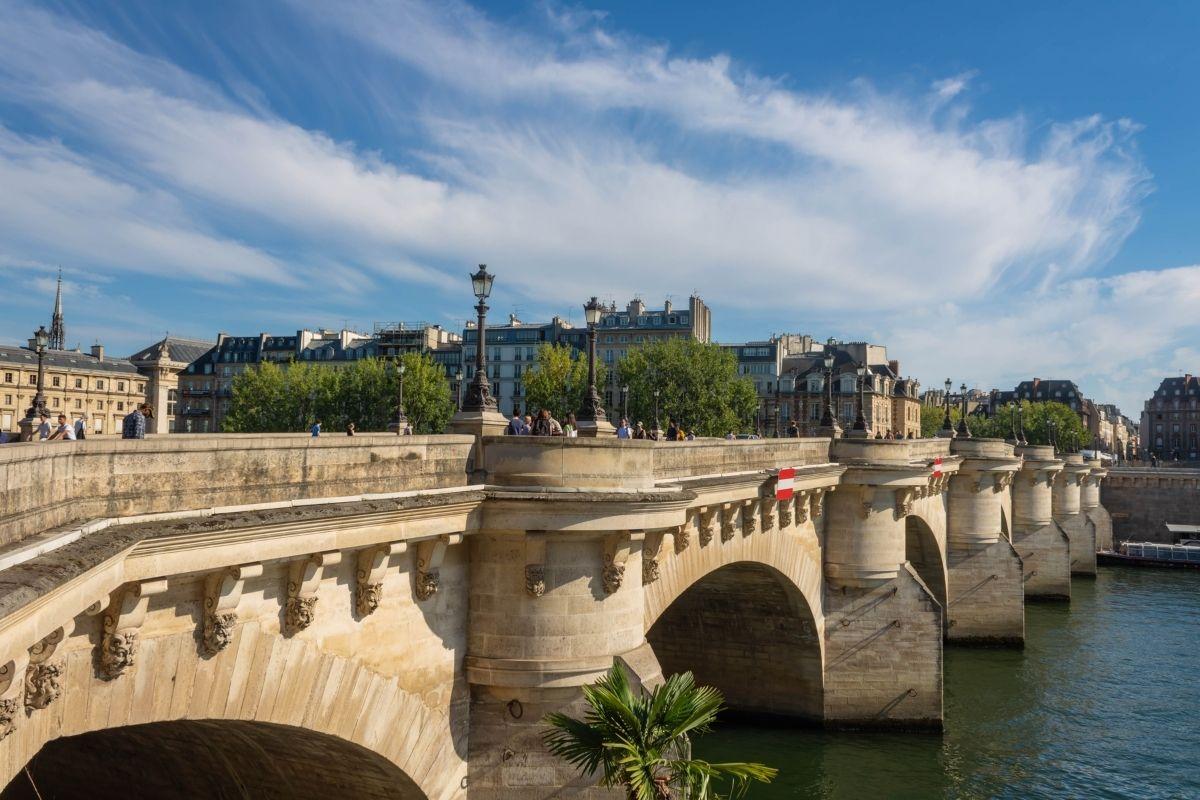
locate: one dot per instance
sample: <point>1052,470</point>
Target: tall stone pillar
<point>986,602</point>
<point>1042,545</point>
<point>1067,513</point>
<point>1089,503</point>
<point>883,627</point>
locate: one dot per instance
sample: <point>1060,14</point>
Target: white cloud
<point>578,160</point>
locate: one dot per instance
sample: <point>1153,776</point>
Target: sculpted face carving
<point>367,597</point>
<point>535,580</point>
<point>300,612</point>
<point>117,652</point>
<point>427,584</point>
<point>42,685</point>
<point>612,575</point>
<point>218,631</point>
<point>8,716</point>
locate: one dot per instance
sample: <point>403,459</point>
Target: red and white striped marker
<point>787,479</point>
<point>937,467</point>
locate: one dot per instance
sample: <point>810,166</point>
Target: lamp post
<point>778,410</point>
<point>41,340</point>
<point>963,431</point>
<point>947,431</point>
<point>1012,410</point>
<point>1020,414</point>
<point>657,431</point>
<point>860,429</point>
<point>1051,428</point>
<point>458,386</point>
<point>829,423</point>
<point>591,416</point>
<point>479,393</point>
<point>401,423</point>
<point>625,402</point>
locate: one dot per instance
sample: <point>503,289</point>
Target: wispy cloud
<point>574,157</point>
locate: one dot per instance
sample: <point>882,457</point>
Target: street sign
<point>937,467</point>
<point>783,487</point>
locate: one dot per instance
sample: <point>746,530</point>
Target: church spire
<point>58,333</point>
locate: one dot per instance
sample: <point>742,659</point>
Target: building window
<point>79,404</point>
<point>79,383</point>
<point>141,387</point>
<point>33,380</point>
<point>8,377</point>
<point>8,399</point>
<point>120,406</point>
<point>55,381</point>
<point>99,384</point>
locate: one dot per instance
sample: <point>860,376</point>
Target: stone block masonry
<point>1142,501</point>
<point>1046,562</point>
<point>987,603</point>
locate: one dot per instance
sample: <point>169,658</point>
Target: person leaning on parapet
<point>43,426</point>
<point>134,425</point>
<point>793,430</point>
<point>672,429</point>
<point>64,431</point>
<point>316,429</point>
<point>349,428</point>
<point>81,427</point>
<point>640,431</point>
<point>516,427</point>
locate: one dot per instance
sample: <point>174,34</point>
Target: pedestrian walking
<point>43,426</point>
<point>793,430</point>
<point>350,429</point>
<point>134,424</point>
<point>623,430</point>
<point>672,430</point>
<point>640,431</point>
<point>64,431</point>
<point>516,426</point>
<point>316,429</point>
<point>81,427</point>
<point>570,427</point>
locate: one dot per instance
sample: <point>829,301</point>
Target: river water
<point>1103,702</point>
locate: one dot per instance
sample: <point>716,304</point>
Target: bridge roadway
<point>283,616</point>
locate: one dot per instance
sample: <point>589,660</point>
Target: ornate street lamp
<point>625,402</point>
<point>778,410</point>
<point>591,410</point>
<point>860,422</point>
<point>1012,421</point>
<point>829,419</point>
<point>401,422</point>
<point>1052,428</point>
<point>458,387</point>
<point>947,430</point>
<point>41,341</point>
<point>656,428</point>
<point>963,431</point>
<point>479,393</point>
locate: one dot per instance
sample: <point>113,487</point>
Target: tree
<point>698,386</point>
<point>557,380</point>
<point>274,398</point>
<point>642,742</point>
<point>932,418</point>
<point>1069,432</point>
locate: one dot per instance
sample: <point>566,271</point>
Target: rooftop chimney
<point>98,351</point>
<point>667,306</point>
<point>894,365</point>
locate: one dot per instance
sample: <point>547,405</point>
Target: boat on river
<point>1186,554</point>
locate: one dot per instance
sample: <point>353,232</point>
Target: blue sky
<point>995,192</point>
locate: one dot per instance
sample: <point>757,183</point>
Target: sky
<point>994,191</point>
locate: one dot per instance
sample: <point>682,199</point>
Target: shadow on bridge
<point>746,629</point>
<point>209,758</point>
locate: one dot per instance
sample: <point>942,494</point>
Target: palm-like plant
<point>643,741</point>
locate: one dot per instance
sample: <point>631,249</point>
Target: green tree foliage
<point>274,398</point>
<point>1069,432</point>
<point>557,380</point>
<point>932,418</point>
<point>642,742</point>
<point>698,384</point>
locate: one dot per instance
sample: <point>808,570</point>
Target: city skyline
<point>988,220</point>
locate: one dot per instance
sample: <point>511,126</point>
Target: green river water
<point>1103,702</point>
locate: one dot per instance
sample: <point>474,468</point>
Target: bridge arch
<point>264,691</point>
<point>749,606</point>
<point>927,554</point>
<point>209,758</point>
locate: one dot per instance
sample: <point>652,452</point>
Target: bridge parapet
<point>46,486</point>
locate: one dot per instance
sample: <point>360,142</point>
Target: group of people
<point>544,424</point>
<point>64,430</point>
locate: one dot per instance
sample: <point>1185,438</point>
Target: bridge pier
<point>1089,503</point>
<point>984,581</point>
<point>1041,543</point>
<point>883,624</point>
<point>1068,514</point>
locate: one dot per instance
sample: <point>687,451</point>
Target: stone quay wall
<point>1143,501</point>
<point>50,485</point>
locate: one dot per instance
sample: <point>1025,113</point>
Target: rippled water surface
<point>1103,702</point>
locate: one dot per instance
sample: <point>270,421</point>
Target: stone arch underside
<point>209,758</point>
<point>746,621</point>
<point>263,680</point>
<point>923,550</point>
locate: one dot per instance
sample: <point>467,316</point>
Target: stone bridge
<point>287,616</point>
